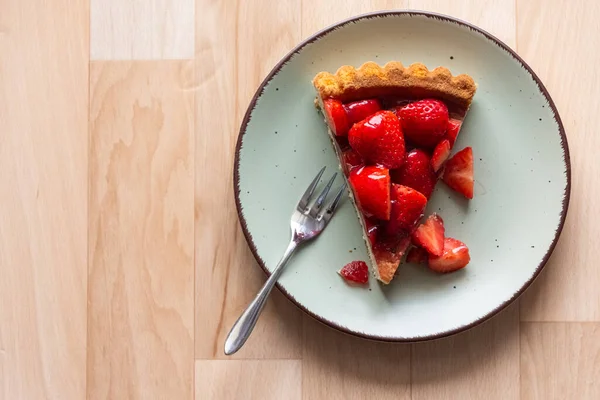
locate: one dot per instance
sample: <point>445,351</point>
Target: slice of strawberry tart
<point>393,129</point>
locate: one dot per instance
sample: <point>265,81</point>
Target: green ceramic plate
<point>522,172</point>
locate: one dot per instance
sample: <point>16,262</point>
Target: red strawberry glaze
<point>390,183</point>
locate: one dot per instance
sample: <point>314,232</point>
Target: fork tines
<point>315,208</point>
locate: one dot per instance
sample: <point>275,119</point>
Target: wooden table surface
<point>122,263</point>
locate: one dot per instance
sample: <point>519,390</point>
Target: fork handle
<point>243,327</point>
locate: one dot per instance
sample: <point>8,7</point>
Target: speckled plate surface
<point>522,173</point>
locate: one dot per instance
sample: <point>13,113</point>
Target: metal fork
<point>308,220</point>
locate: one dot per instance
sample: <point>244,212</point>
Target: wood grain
<point>317,15</point>
<point>142,30</point>
<point>43,195</point>
<point>560,361</point>
<point>248,380</point>
<point>339,366</point>
<point>231,62</point>
<point>496,16</point>
<point>482,363</point>
<point>133,328</point>
<point>568,289</point>
<point>141,233</point>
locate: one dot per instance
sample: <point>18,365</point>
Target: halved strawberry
<point>356,271</point>
<point>336,117</point>
<point>459,172</point>
<point>430,235</point>
<point>379,139</point>
<point>416,172</point>
<point>453,129</point>
<point>407,208</point>
<point>424,122</point>
<point>352,159</point>
<point>454,257</point>
<point>359,110</point>
<point>417,255</point>
<point>371,186</point>
<point>440,155</point>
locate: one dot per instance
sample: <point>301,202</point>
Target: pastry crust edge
<point>350,83</point>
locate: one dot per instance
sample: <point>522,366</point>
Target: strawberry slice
<point>424,122</point>
<point>440,155</point>
<point>359,110</point>
<point>407,208</point>
<point>352,159</point>
<point>454,257</point>
<point>356,272</point>
<point>336,117</point>
<point>453,129</point>
<point>459,172</point>
<point>416,172</point>
<point>417,255</point>
<point>379,139</point>
<point>430,235</point>
<point>371,186</point>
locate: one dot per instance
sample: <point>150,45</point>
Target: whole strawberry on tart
<point>393,129</point>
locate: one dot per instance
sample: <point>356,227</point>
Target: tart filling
<point>393,129</point>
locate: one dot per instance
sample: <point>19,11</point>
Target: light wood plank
<point>567,62</point>
<point>495,16</point>
<point>317,15</point>
<point>339,366</point>
<point>560,361</point>
<point>142,30</point>
<point>44,56</point>
<point>482,363</point>
<point>141,233</point>
<point>232,59</point>
<point>248,379</point>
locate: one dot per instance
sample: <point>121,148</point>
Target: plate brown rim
<point>318,35</point>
